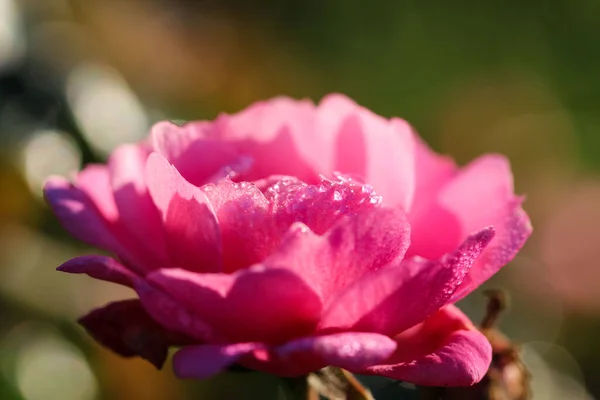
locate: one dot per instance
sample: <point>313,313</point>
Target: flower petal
<point>255,304</point>
<point>445,350</point>
<point>170,313</point>
<point>513,232</point>
<point>379,150</point>
<point>348,350</point>
<point>435,230</point>
<point>164,181</point>
<point>493,204</point>
<point>270,212</point>
<point>192,231</point>
<point>100,267</point>
<point>201,362</point>
<point>94,180</point>
<point>194,152</point>
<point>279,135</point>
<point>432,170</point>
<point>137,212</point>
<point>393,299</point>
<point>126,329</point>
<point>319,206</point>
<point>193,235</point>
<point>242,213</point>
<point>353,247</point>
<point>79,215</point>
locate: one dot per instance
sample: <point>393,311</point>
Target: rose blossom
<point>289,237</point>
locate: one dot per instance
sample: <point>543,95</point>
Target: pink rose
<point>289,237</point>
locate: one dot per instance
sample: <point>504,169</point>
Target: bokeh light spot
<point>105,108</point>
<point>48,152</point>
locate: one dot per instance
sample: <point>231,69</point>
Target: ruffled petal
<point>253,219</point>
<point>393,299</point>
<point>172,140</point>
<point>279,135</point>
<point>379,150</point>
<point>164,181</point>
<point>353,247</point>
<point>171,314</point>
<point>242,213</point>
<point>137,212</point>
<point>100,267</point>
<point>193,235</point>
<point>390,167</point>
<point>192,231</point>
<point>349,350</point>
<point>194,152</point>
<point>482,195</point>
<point>320,205</point>
<point>79,215</point>
<point>445,350</point>
<point>125,328</point>
<point>513,232</point>
<point>254,304</point>
<point>432,172</point>
<point>94,180</point>
<point>435,230</point>
<point>201,362</point>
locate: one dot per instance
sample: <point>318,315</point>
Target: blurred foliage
<point>80,76</point>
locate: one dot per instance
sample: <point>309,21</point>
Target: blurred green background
<point>79,77</point>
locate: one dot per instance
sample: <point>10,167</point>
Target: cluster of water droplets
<point>320,205</point>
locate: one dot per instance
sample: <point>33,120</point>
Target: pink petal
<point>193,152</point>
<point>279,135</point>
<point>396,298</point>
<point>379,150</point>
<point>278,157</point>
<point>172,140</point>
<point>390,159</point>
<point>193,235</point>
<point>349,350</point>
<point>351,154</point>
<point>353,247</point>
<point>243,218</point>
<point>164,181</point>
<point>285,201</point>
<point>99,267</point>
<point>79,215</point>
<point>342,137</point>
<point>432,171</point>
<point>137,212</point>
<point>171,314</point>
<point>479,192</point>
<point>192,231</point>
<point>255,304</point>
<point>512,234</point>
<point>435,230</point>
<point>201,362</point>
<point>482,195</point>
<point>334,108</point>
<point>94,180</point>
<point>319,206</point>
<point>445,350</point>
<point>126,329</point>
